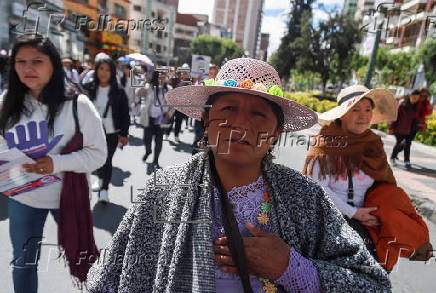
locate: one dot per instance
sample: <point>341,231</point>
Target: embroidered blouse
<point>301,275</point>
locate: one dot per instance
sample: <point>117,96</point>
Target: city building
<point>159,40</point>
<point>173,3</point>
<point>350,6</point>
<point>264,43</point>
<point>137,35</point>
<point>412,23</point>
<point>103,22</point>
<point>28,18</point>
<point>364,7</point>
<point>186,29</point>
<point>242,20</point>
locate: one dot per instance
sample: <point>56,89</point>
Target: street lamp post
<point>368,76</point>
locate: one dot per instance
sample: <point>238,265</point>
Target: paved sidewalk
<point>420,181</point>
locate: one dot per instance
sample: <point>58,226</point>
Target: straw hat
<point>243,75</point>
<point>385,109</point>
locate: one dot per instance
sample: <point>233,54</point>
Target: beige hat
<point>243,75</point>
<point>385,109</point>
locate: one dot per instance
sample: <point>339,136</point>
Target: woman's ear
<point>273,139</point>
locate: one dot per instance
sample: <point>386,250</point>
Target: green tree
<point>218,49</point>
<point>286,57</point>
<point>427,55</point>
<point>344,32</point>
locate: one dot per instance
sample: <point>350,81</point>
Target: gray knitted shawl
<point>164,242</point>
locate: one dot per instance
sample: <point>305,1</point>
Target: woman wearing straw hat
<point>229,220</point>
<point>359,156</point>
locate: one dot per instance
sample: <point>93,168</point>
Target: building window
<point>166,35</point>
<point>137,8</point>
<point>138,43</point>
<point>158,48</point>
<point>159,34</point>
<point>164,48</point>
<point>150,46</point>
<point>120,11</point>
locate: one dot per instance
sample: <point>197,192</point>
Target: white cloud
<point>276,27</point>
<point>197,7</point>
<point>276,4</point>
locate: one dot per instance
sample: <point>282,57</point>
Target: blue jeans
<point>25,229</point>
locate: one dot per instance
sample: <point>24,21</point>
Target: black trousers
<point>105,172</point>
<point>404,141</point>
<point>157,132</point>
<point>178,119</point>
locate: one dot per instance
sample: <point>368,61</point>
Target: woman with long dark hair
<point>37,118</point>
<point>111,102</point>
<point>403,127</point>
<point>229,220</point>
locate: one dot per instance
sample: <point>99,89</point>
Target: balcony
<point>392,40</point>
<point>411,4</point>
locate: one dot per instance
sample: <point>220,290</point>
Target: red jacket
<point>424,109</point>
<point>402,230</point>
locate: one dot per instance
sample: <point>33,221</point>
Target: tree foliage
<point>286,57</point>
<point>427,54</point>
<point>327,49</point>
<point>396,68</point>
<point>218,49</point>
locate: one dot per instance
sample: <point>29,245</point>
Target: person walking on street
<point>425,108</point>
<point>153,116</point>
<point>36,103</point>
<point>70,72</point>
<point>405,127</point>
<point>178,116</point>
<point>130,91</point>
<point>198,126</point>
<point>111,102</point>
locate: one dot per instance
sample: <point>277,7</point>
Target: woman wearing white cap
<point>229,220</point>
<point>345,148</point>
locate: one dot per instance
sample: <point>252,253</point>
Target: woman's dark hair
<point>53,94</point>
<point>113,83</point>
<point>154,78</point>
<point>275,108</point>
<point>124,78</point>
<point>407,102</point>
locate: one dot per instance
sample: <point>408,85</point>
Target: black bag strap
<point>107,107</point>
<point>350,188</point>
<point>76,115</point>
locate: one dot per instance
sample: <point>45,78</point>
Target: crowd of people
<point>257,227</point>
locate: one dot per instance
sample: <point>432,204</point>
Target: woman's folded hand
<point>267,254</point>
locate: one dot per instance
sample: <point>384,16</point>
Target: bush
<point>311,102</point>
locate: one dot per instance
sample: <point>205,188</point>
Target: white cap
<point>101,55</point>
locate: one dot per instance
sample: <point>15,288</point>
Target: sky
<point>274,17</point>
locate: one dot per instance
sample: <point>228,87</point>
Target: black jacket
<point>119,105</point>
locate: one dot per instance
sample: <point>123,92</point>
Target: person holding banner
<point>36,118</point>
